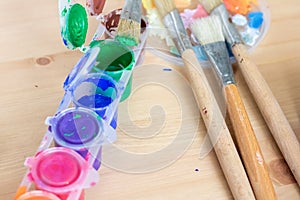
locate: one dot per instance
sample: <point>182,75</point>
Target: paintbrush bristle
<point>164,6</point>
<point>129,26</point>
<point>210,5</point>
<point>129,32</point>
<point>208,30</point>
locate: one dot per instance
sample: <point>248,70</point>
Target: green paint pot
<point>113,59</point>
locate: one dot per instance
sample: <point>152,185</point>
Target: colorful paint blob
<point>239,6</point>
<point>77,25</point>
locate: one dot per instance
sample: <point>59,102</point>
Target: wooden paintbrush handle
<point>271,111</point>
<point>217,129</point>
<point>251,154</point>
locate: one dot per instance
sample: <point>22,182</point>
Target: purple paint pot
<point>100,93</point>
<point>111,21</point>
<point>79,129</point>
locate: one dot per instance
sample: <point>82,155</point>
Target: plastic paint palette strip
<point>90,58</point>
<point>82,67</point>
<point>253,36</point>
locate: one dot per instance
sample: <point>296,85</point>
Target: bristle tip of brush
<point>129,32</point>
<point>210,5</point>
<point>164,6</point>
<point>208,30</point>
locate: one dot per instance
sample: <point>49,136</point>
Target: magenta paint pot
<point>61,171</point>
<point>79,129</point>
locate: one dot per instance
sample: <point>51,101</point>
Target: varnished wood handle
<point>217,129</point>
<point>271,111</point>
<point>251,154</point>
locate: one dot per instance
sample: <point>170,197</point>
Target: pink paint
<point>188,15</point>
<point>60,171</point>
<point>200,12</point>
<point>93,184</point>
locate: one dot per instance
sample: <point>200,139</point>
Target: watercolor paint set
<point>69,156</point>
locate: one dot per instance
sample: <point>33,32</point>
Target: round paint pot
<point>111,20</point>
<point>38,195</point>
<point>61,171</point>
<point>98,92</point>
<point>78,129</point>
<point>114,59</point>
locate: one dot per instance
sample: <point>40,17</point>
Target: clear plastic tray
<point>162,50</point>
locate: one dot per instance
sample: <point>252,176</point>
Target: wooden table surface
<point>159,119</point>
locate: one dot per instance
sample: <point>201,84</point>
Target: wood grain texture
<point>217,129</point>
<point>271,110</point>
<point>248,146</point>
<point>30,92</point>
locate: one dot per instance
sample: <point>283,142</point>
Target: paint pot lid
<point>74,25</point>
<point>76,127</point>
<point>58,170</point>
<point>95,7</point>
<point>38,195</point>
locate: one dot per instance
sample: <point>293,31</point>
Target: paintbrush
<point>129,27</point>
<point>271,111</point>
<point>209,32</point>
<point>212,116</point>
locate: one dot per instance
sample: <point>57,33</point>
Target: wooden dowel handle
<point>248,146</point>
<point>217,129</point>
<point>270,109</point>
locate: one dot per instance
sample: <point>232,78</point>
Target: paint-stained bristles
<point>164,6</point>
<point>129,30</point>
<point>210,5</point>
<point>129,27</point>
<point>208,30</point>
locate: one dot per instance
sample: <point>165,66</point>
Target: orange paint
<point>239,6</point>
<point>21,190</point>
<point>38,195</point>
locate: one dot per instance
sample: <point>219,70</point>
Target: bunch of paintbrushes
<point>210,34</point>
<point>214,121</point>
<point>267,103</point>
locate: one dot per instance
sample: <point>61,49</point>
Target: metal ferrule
<point>231,34</point>
<point>218,56</point>
<point>177,32</point>
<point>132,10</point>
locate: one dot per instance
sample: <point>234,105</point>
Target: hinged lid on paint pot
<point>74,21</point>
<point>95,7</point>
